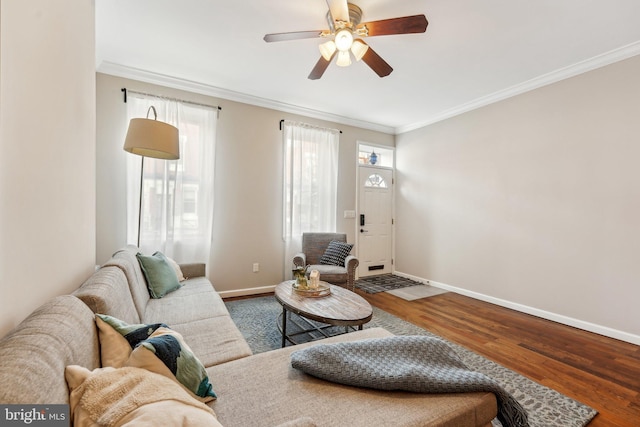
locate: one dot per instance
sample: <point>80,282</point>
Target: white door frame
<point>393,201</point>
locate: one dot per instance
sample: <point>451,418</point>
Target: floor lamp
<point>151,138</point>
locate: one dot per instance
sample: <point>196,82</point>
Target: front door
<point>375,220</point>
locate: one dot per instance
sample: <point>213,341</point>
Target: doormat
<point>383,283</point>
<point>413,293</point>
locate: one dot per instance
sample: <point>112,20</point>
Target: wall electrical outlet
<point>256,267</point>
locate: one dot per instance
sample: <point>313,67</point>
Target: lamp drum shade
<point>152,138</point>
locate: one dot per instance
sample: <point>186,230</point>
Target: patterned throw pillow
<point>336,253</point>
<point>156,348</point>
<point>166,353</point>
<point>118,338</point>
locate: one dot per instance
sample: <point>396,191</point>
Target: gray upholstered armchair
<point>314,246</point>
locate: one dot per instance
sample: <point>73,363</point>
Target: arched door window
<point>375,180</point>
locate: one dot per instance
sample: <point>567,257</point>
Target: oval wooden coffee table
<point>341,308</point>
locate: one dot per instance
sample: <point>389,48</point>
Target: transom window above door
<point>375,155</point>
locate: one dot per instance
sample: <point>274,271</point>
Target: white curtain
<point>310,184</point>
<point>177,198</point>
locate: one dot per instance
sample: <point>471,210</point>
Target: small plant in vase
<point>300,274</point>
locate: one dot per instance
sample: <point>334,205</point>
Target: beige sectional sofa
<point>252,390</point>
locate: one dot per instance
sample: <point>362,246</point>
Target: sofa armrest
<point>300,260</point>
<point>193,270</point>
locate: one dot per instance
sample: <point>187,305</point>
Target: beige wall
<point>248,193</point>
<point>533,202</point>
<point>47,152</point>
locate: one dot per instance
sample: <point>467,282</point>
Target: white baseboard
<point>246,292</point>
<point>565,320</point>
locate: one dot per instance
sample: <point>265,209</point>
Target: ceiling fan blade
<point>320,67</point>
<point>404,25</point>
<point>377,64</point>
<point>339,10</point>
<point>295,35</point>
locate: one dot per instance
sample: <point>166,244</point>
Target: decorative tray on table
<point>322,290</point>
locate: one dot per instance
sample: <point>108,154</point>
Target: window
<point>310,184</point>
<point>177,195</point>
<point>375,180</point>
<point>375,155</point>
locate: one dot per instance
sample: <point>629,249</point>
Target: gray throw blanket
<point>409,363</point>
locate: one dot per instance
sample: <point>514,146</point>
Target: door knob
<point>362,230</point>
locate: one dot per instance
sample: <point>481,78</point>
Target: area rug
<point>256,318</point>
<point>383,283</point>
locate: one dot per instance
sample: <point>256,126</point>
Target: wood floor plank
<point>601,372</point>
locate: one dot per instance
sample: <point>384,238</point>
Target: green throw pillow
<point>162,350</point>
<point>161,276</point>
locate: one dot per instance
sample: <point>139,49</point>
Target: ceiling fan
<point>345,37</point>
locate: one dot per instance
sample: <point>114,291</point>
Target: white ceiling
<point>473,52</point>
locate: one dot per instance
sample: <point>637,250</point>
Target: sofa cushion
<point>336,253</point>
<point>34,355</point>
<point>214,340</point>
<point>107,291</point>
<point>196,300</point>
<point>331,273</point>
<point>160,275</point>
<point>299,422</point>
<point>126,260</point>
<point>250,379</point>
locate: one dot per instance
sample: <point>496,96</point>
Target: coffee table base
<point>306,326</point>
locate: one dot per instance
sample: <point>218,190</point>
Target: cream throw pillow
<point>132,397</point>
<point>177,268</point>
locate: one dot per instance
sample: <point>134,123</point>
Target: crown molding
<point>123,71</point>
<point>590,64</point>
<point>598,61</point>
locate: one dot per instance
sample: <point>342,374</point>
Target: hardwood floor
<point>601,372</point>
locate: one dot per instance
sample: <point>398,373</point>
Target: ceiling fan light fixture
<point>327,49</point>
<point>359,48</point>
<point>344,37</point>
<point>344,59</point>
<point>344,40</point>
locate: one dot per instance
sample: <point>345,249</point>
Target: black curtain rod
<point>124,90</point>
<point>282,121</point>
